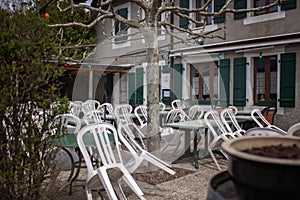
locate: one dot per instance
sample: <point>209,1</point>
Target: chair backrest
<point>228,113</point>
<point>77,108</point>
<point>176,115</point>
<point>90,104</point>
<point>234,109</point>
<point>196,112</point>
<point>69,121</point>
<point>123,112</point>
<point>98,135</point>
<point>93,116</point>
<point>107,109</point>
<point>215,124</point>
<point>177,104</point>
<point>259,119</point>
<point>142,115</point>
<point>188,103</point>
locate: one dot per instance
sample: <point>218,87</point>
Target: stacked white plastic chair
<point>111,171</point>
<point>177,104</point>
<point>77,108</point>
<point>236,129</point>
<point>218,133</point>
<point>196,112</point>
<point>141,114</point>
<point>89,105</point>
<point>122,113</point>
<point>93,116</point>
<point>170,136</point>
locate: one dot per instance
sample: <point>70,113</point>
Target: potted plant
<point>264,167</point>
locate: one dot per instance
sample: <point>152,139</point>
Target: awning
<point>240,45</point>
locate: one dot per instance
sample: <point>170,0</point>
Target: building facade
<point>255,61</point>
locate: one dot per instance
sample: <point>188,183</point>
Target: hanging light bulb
<point>260,55</point>
<point>117,60</point>
<point>220,55</point>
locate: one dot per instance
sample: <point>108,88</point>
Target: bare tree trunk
<point>150,36</point>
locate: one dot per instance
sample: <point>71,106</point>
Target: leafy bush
<point>29,83</point>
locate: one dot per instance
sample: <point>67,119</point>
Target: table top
<point>70,141</point>
<point>201,124</point>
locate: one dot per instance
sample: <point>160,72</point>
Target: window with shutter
<point>287,79</point>
<point>224,92</point>
<point>120,28</point>
<point>240,4</point>
<point>218,5</point>
<point>239,81</point>
<point>183,22</point>
<point>289,4</point>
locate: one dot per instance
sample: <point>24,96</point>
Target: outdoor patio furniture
<point>112,169</point>
<point>235,128</point>
<point>93,116</point>
<point>122,113</point>
<point>170,136</point>
<point>177,104</point>
<point>89,105</point>
<point>218,133</point>
<point>141,114</point>
<point>196,112</point>
<point>257,115</point>
<point>139,153</point>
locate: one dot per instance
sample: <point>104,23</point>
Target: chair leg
<point>214,158</point>
<point>88,193</point>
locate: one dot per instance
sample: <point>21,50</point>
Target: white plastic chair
<point>177,104</point>
<point>141,114</point>
<point>107,108</point>
<point>171,136</point>
<point>93,116</point>
<point>234,109</point>
<point>112,169</point>
<point>89,105</point>
<point>77,109</point>
<point>293,129</point>
<point>122,113</point>
<point>196,112</point>
<point>228,113</point>
<point>139,153</point>
<point>256,114</point>
<point>218,133</point>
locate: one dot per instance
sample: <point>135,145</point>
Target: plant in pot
<point>264,167</point>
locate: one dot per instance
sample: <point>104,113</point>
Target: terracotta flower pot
<point>261,177</point>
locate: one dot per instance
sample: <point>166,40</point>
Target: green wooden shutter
<point>183,22</point>
<point>289,4</point>
<point>224,69</point>
<point>218,4</point>
<point>287,79</point>
<point>177,81</point>
<point>240,4</point>
<point>139,86</point>
<point>131,88</point>
<point>239,81</point>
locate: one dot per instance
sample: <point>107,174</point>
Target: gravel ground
<point>192,186</point>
